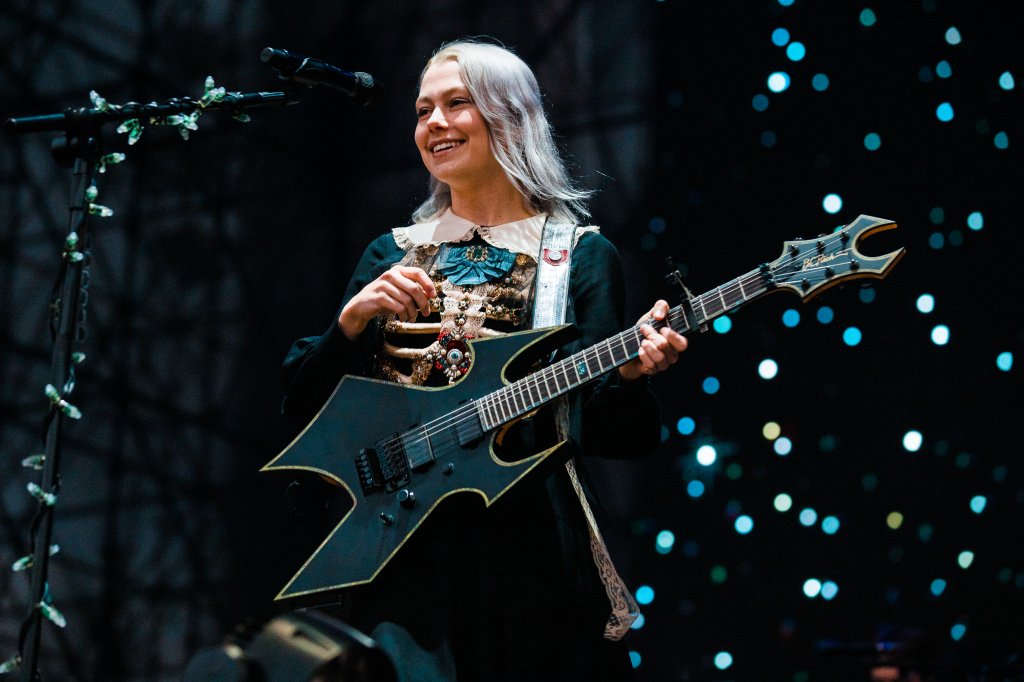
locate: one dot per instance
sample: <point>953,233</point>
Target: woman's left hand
<point>659,349</point>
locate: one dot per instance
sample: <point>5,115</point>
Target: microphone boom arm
<point>73,119</point>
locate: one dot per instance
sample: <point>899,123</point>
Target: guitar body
<point>363,412</point>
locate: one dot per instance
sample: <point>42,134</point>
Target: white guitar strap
<point>549,304</point>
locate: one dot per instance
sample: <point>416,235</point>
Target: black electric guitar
<point>400,450</point>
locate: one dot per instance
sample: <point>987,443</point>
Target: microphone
<point>359,85</point>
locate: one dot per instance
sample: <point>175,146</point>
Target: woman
<point>524,589</point>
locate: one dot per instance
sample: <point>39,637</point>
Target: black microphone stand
<point>80,148</point>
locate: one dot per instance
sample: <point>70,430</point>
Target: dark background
<point>226,247</point>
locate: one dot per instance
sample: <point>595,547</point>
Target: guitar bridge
<point>383,467</point>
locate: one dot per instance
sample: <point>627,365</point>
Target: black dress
<point>510,592</point>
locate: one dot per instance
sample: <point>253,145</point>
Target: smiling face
<point>450,132</point>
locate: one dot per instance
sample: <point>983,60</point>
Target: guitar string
<point>465,414</point>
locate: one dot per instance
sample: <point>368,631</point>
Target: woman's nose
<point>437,118</point>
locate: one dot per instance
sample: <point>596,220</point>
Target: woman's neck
<point>495,205</point>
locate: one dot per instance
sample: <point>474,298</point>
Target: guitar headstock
<point>809,266</point>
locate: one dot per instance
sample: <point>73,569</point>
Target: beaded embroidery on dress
<point>482,294</point>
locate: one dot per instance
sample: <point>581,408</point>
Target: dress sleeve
<point>620,420</point>
<point>314,365</point>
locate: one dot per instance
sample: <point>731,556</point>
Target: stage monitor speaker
<point>305,646</point>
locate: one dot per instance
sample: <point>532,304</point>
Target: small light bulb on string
<point>11,664</point>
<point>49,499</point>
<point>52,614</point>
<point>77,358</point>
<point>133,127</point>
<point>25,562</point>
<point>109,160</point>
<point>64,406</point>
<point>49,610</point>
<point>34,461</point>
<point>186,123</point>
<point>71,251</point>
<point>211,93</point>
<point>101,211</point>
<point>98,101</point>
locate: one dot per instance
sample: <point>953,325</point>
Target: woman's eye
<point>459,101</point>
<point>422,112</point>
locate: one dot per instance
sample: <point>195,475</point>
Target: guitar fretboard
<point>561,377</point>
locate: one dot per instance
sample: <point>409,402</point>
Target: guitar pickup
<point>383,467</point>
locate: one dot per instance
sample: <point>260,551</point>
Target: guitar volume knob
<point>406,497</point>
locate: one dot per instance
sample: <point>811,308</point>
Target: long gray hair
<point>506,93</point>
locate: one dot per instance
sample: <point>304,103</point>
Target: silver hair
<point>506,93</point>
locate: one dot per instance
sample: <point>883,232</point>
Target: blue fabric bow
<point>475,264</point>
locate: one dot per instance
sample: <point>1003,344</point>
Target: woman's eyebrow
<point>443,95</point>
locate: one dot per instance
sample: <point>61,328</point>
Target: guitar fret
<point>630,343</point>
<point>703,310</point>
<point>506,403</point>
<point>517,400</point>
<point>494,410</point>
<point>483,413</point>
<point>527,393</point>
<point>626,351</point>
<point>566,366</point>
<point>536,387</point>
<point>603,352</point>
<point>715,309</point>
<point>552,381</point>
<point>732,298</point>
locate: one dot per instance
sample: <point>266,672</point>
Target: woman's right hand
<point>402,290</point>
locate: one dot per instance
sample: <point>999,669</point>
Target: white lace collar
<point>520,236</point>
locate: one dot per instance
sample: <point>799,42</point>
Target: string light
<point>64,406</point>
<point>48,499</point>
<point>34,461</point>
<point>25,562</point>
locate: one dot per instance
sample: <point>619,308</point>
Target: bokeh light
<point>706,455</point>
<point>767,369</point>
<point>832,203</point>
<point>664,542</point>
<point>686,425</point>
<point>778,81</point>
<point>940,335</point>
<point>912,441</point>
